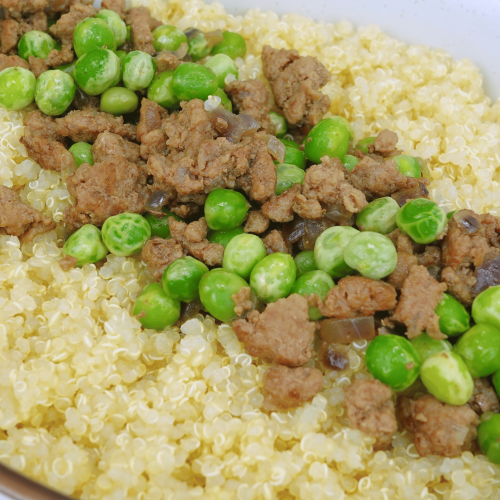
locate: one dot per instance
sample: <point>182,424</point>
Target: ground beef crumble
<point>257,222</point>
<point>158,254</point>
<point>484,398</point>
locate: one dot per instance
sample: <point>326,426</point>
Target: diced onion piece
<point>346,331</point>
<point>276,148</point>
<point>181,51</point>
<point>157,200</point>
<point>334,356</point>
<point>294,231</point>
<point>232,127</point>
<point>410,194</point>
<point>190,310</point>
<point>337,213</point>
<point>212,103</point>
<point>213,38</point>
<point>468,221</point>
<point>487,274</point>
<point>229,78</point>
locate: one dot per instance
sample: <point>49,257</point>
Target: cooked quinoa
<point>100,409</point>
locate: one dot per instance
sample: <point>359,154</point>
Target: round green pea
<point>224,236</point>
<point>294,156</point>
<point>225,209</point>
<point>305,262</point>
<point>318,282</point>
<point>125,234</point>
<point>168,37</point>
<point>329,137</point>
<point>378,216</point>
<point>161,91</point>
<point>216,289</point>
<point>289,144</point>
<point>427,346</point>
<point>273,277</point>
<point>422,220</point>
<point>488,436</point>
<point>82,153</point>
<point>486,306</point>
<point>280,124</point>
<point>194,81</point>
<point>393,360</point>
<point>407,165</point>
<point>159,225</point>
<point>496,381</point>
<point>450,214</point>
<point>138,70</point>
<point>36,44</point>
<point>182,277</point>
<point>233,45</point>
<point>54,92</point>
<point>242,253</point>
<point>97,71</point>
<point>119,101</point>
<point>17,88</point>
<point>346,124</point>
<point>93,33</point>
<point>480,349</point>
<point>350,162</point>
<point>86,245</point>
<point>225,102</point>
<point>155,309</point>
<point>329,250</point>
<point>453,317</point>
<point>446,377</point>
<point>199,46</point>
<point>222,65</point>
<point>115,22</point>
<point>287,176</point>
<point>121,55</point>
<point>363,144</point>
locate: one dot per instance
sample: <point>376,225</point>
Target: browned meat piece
<point>154,143</point>
<point>460,285</point>
<point>18,7</point>
<point>108,145</point>
<point>19,219</point>
<point>117,6</point>
<point>274,242</point>
<point>60,57</point>
<point>290,387</point>
<point>37,22</point>
<point>9,35</point>
<point>158,254</point>
<point>439,429</point>
<point>430,257</point>
<point>356,295</point>
<point>141,24</point>
<point>308,209</point>
<point>242,302</point>
<point>66,24</point>
<point>282,332</point>
<point>68,262</point>
<point>385,144</point>
<point>151,116</point>
<point>491,225</point>
<point>370,410</point>
<point>405,262</point>
<point>37,65</point>
<point>484,398</point>
<point>193,238</point>
<point>252,98</point>
<point>295,82</point>
<point>402,242</point>
<point>166,61</point>
<point>86,125</point>
<point>420,295</point>
<point>36,123</point>
<point>256,222</point>
<point>105,189</point>
<point>11,61</point>
<point>83,101</point>
<point>280,208</point>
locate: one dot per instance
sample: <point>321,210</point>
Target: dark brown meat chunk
<point>290,387</point>
<point>36,21</point>
<point>66,24</point>
<point>274,242</point>
<point>484,398</point>
<point>439,429</point>
<point>252,98</point>
<point>141,24</point>
<point>308,209</point>
<point>36,123</point>
<point>166,61</point>
<point>19,219</point>
<point>356,295</point>
<point>86,125</point>
<point>154,143</point>
<point>37,65</point>
<point>256,222</point>
<point>430,257</point>
<point>242,302</point>
<point>405,262</point>
<point>385,144</point>
<point>60,57</point>
<point>402,242</point>
<point>420,295</point>
<point>491,226</point>
<point>117,6</point>
<point>370,410</point>
<point>108,145</point>
<point>295,82</point>
<point>158,254</point>
<point>9,35</point>
<point>280,208</point>
<point>282,332</point>
<point>151,116</point>
<point>18,7</point>
<point>460,284</point>
<point>11,61</point>
<point>105,189</point>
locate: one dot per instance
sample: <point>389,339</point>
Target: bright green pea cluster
<point>350,162</point>
<point>97,71</point>
<point>93,33</point>
<point>155,309</point>
<point>116,24</point>
<point>17,88</point>
<point>125,234</point>
<point>408,165</point>
<point>194,81</point>
<point>486,309</point>
<point>222,65</point>
<point>317,282</point>
<point>82,153</point>
<point>138,70</point>
<point>305,262</point>
<point>54,92</point>
<point>378,216</point>
<point>329,137</point>
<point>363,144</point>
<point>119,101</point>
<point>243,253</point>
<point>427,346</point>
<point>86,245</point>
<point>159,225</point>
<point>294,156</point>
<point>224,236</point>
<point>182,278</point>
<point>287,176</point>
<point>161,91</point>
<point>37,44</point>
<point>225,209</point>
<point>488,436</point>
<point>233,45</point>
<point>168,37</point>
<point>453,317</point>
<point>273,277</point>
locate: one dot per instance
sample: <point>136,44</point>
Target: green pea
<point>480,350</point>
<point>138,70</point>
<point>280,124</point>
<point>350,162</point>
<point>488,436</point>
<point>17,88</point>
<point>305,262</point>
<point>427,346</point>
<point>125,234</point>
<point>363,144</point>
<point>121,55</point>
<point>242,253</point>
<point>225,209</point>
<point>216,288</point>
<point>82,153</point>
<point>422,220</point>
<point>86,245</point>
<point>161,91</point>
<point>453,317</point>
<point>194,81</point>
<point>346,124</point>
<point>446,377</point>
<point>50,22</point>
<point>97,71</point>
<point>168,37</point>
<point>287,176</point>
<point>294,156</point>
<point>36,44</point>
<point>155,309</point>
<point>222,65</point>
<point>496,381</point>
<point>54,92</point>
<point>318,282</point>
<point>93,33</point>
<point>273,277</point>
<point>115,22</point>
<point>68,68</point>
<point>407,165</point>
<point>372,254</point>
<point>233,45</point>
<point>289,144</point>
<point>329,250</point>
<point>486,306</point>
<point>128,38</point>
<point>329,137</point>
<point>378,216</point>
<point>182,277</point>
<point>199,47</point>
<point>224,100</point>
<point>393,360</point>
<point>159,225</point>
<point>224,236</point>
<point>119,101</point>
<point>449,215</point>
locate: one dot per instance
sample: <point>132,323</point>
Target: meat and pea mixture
<point>247,204</point>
